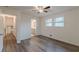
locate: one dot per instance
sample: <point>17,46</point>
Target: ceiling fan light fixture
<point>41,9</point>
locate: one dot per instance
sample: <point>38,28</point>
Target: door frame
<point>34,26</point>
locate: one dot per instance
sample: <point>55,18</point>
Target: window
<point>49,22</point>
<point>57,22</point>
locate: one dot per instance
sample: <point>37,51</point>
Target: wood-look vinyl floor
<point>39,44</point>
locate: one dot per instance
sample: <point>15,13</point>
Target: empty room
<point>39,29</point>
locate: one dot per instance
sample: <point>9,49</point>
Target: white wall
<point>69,33</point>
<point>38,26</point>
<point>23,27</point>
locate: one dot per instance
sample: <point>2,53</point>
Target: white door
<point>1,32</point>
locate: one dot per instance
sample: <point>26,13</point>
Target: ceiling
<point>52,10</point>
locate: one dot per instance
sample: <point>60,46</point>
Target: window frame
<point>46,22</point>
<point>62,21</point>
<point>53,22</point>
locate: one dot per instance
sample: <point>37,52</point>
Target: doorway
<point>9,24</point>
<point>33,27</point>
<point>9,40</point>
<point>7,31</point>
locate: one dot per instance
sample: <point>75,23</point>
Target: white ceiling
<point>52,10</point>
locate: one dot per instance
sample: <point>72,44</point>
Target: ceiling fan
<point>41,9</point>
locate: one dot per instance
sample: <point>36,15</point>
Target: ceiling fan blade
<point>47,7</point>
